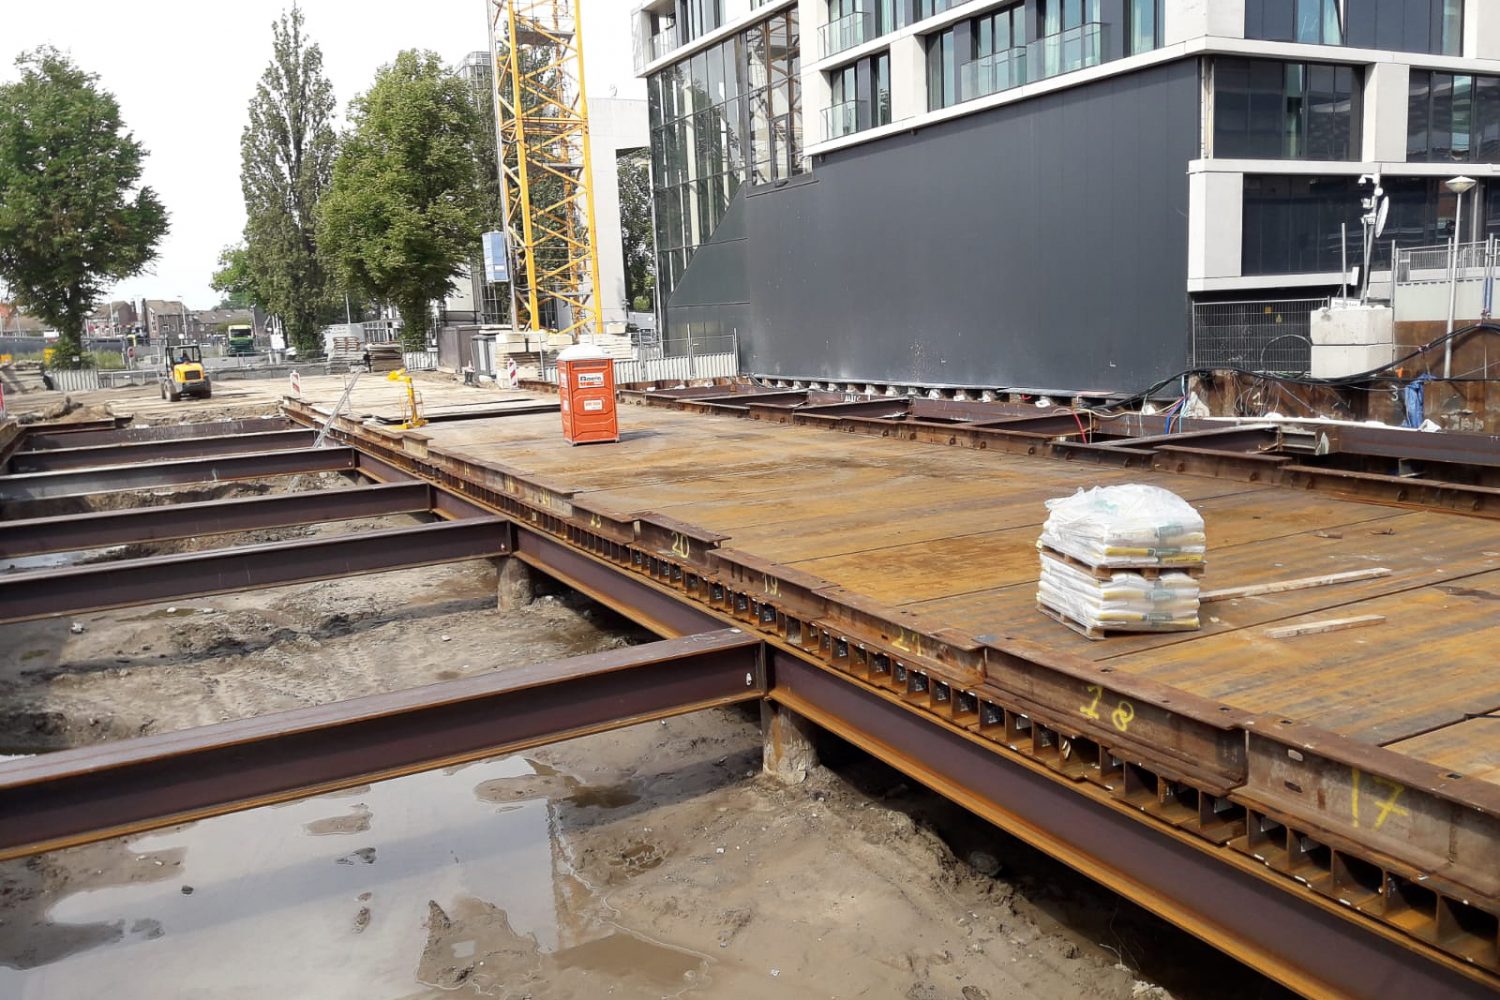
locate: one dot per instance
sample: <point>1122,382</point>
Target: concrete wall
<point>615,125</point>
<point>1042,244</point>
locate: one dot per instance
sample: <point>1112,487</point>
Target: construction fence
<point>1260,335</point>
<point>708,357</point>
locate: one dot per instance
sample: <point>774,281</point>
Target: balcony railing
<point>847,32</point>
<point>992,73</point>
<point>654,47</point>
<point>842,119</point>
<point>1067,51</point>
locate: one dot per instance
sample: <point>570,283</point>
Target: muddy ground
<point>656,861</point>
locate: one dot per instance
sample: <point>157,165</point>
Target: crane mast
<point>546,168</point>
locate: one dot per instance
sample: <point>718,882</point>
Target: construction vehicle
<point>411,406</point>
<point>241,340</point>
<point>184,374</point>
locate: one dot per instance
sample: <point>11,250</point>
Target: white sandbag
<point>1129,525</point>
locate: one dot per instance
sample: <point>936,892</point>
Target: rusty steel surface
<point>96,587</point>
<point>101,456</point>
<point>46,437</point>
<point>79,796</point>
<point>178,472</point>
<point>63,533</point>
<point>912,570</point>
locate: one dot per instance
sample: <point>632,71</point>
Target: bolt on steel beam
<point>80,796</point>
<point>77,589</point>
<point>71,532</point>
<point>182,472</point>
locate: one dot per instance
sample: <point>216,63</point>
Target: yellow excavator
<point>184,374</point>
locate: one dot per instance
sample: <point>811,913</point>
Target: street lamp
<point>1459,186</point>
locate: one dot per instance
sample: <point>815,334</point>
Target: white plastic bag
<point>1129,525</point>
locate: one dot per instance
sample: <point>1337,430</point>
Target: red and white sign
<point>512,373</point>
<point>296,385</point>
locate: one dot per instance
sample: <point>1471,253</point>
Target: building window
<point>1292,224</point>
<point>1453,118</point>
<point>1314,22</point>
<point>927,8</point>
<point>861,96</point>
<point>1143,21</point>
<point>1269,110</point>
<point>726,116</point>
<point>1431,26</point>
<point>978,57</point>
<point>1072,38</point>
<point>942,70</point>
<point>699,17</point>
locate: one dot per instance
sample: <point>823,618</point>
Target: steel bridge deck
<point>1355,765</point>
<point>1323,807</point>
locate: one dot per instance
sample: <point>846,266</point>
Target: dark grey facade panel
<point>1039,245</point>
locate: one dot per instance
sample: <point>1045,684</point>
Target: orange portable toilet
<point>586,383</point>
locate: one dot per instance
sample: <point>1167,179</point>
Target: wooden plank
<point>1327,625</point>
<point>1283,586</point>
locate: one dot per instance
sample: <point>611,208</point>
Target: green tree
<point>232,279</point>
<point>404,212</point>
<point>636,228</point>
<point>72,216</point>
<point>286,164</point>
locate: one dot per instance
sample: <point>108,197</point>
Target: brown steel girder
<point>80,796</point>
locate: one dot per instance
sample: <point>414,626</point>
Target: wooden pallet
<point>1095,634</point>
<point>1105,572</point>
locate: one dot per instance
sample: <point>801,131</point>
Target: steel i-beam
<point>80,796</point>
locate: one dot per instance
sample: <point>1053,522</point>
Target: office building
<point>1043,193</point>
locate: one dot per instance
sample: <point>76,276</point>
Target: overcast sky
<point>184,70</point>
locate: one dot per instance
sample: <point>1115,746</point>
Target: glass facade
<point>727,116</point>
<point>1292,223</point>
<point>1431,26</point>
<point>1314,22</point>
<point>1266,109</point>
<point>853,22</point>
<point>861,96</point>
<point>974,58</point>
<point>698,17</point>
<point>994,51</point>
<point>1144,22</point>
<point>1453,118</point>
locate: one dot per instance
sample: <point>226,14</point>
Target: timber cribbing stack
<point>1402,848</point>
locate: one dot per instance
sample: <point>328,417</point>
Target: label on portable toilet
<point>593,406</point>
<point>590,380</point>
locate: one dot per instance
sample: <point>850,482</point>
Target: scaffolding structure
<point>546,169</point>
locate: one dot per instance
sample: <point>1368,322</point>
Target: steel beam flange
<point>1191,735</point>
<point>1430,819</point>
<point>133,582</point>
<point>1303,941</point>
<point>79,796</point>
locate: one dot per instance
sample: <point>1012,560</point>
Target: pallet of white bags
<point>1194,570</point>
<point>1095,633</point>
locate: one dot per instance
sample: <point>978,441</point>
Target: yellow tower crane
<point>546,168</point>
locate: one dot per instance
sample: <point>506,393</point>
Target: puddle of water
<point>171,612</point>
<point>54,560</point>
<point>363,897</point>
